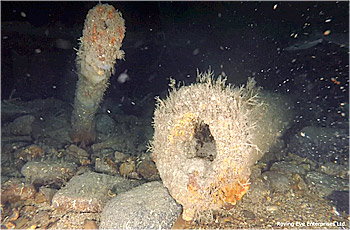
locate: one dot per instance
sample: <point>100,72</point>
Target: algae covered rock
<point>48,172</point>
<point>148,206</point>
<point>88,192</point>
<point>21,126</point>
<point>321,144</point>
<point>208,135</point>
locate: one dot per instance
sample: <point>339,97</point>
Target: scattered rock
<point>29,153</point>
<point>16,190</point>
<point>76,220</point>
<point>180,223</point>
<point>131,137</point>
<point>258,191</point>
<point>324,184</point>
<point>21,126</point>
<point>73,149</point>
<point>278,181</point>
<point>53,125</point>
<point>146,206</point>
<point>47,193</point>
<point>272,208</point>
<point>321,144</point>
<point>248,214</point>
<point>305,163</point>
<point>106,166</point>
<point>333,169</point>
<point>83,169</point>
<point>287,167</point>
<point>41,217</point>
<point>147,169</point>
<point>109,143</point>
<point>78,155</point>
<point>86,193</point>
<point>48,172</point>
<point>124,186</point>
<point>127,168</point>
<point>105,124</point>
<point>11,111</point>
<point>341,200</point>
<point>57,138</point>
<point>119,156</point>
<point>299,184</point>
<point>90,224</point>
<point>40,198</point>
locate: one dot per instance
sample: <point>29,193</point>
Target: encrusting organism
<point>103,33</point>
<point>207,136</point>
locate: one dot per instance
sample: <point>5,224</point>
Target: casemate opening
<point>204,142</point>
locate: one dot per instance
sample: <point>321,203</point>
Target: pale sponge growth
<point>208,135</point>
<point>103,33</point>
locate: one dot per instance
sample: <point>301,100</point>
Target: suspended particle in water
<point>195,52</point>
<point>327,32</point>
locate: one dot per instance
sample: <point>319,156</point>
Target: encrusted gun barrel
<point>103,33</point>
<point>208,135</point>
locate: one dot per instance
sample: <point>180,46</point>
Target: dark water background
<point>174,39</point>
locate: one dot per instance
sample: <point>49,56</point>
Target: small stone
<point>21,126</point>
<point>16,190</point>
<point>333,169</point>
<point>305,166</point>
<point>325,184</point>
<point>125,186</point>
<point>109,143</point>
<point>78,155</point>
<point>127,168</point>
<point>277,181</point>
<point>76,220</point>
<point>148,170</point>
<point>248,214</point>
<point>321,143</point>
<point>259,191</point>
<point>300,185</point>
<point>148,206</point>
<point>180,223</point>
<point>90,224</point>
<point>272,208</point>
<point>40,198</point>
<point>287,167</point>
<point>107,166</point>
<point>105,124</point>
<point>341,200</point>
<point>48,172</point>
<point>29,153</point>
<point>85,193</point>
<point>20,222</point>
<point>119,156</point>
<point>48,193</point>
<point>73,149</point>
